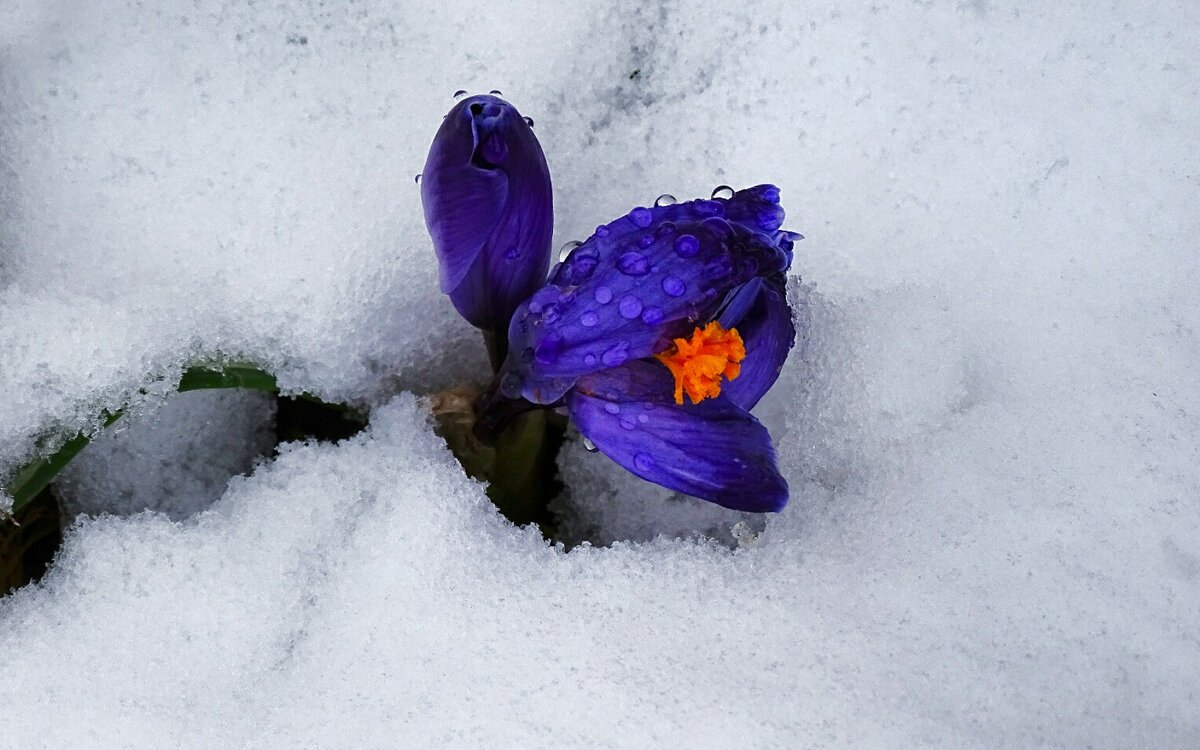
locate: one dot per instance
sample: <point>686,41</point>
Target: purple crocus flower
<point>686,299</point>
<point>488,206</point>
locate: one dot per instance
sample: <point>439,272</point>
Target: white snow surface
<point>991,432</point>
<point>176,460</point>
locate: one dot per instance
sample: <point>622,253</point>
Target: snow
<point>990,432</point>
<point>175,461</point>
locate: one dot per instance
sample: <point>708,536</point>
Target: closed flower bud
<point>488,206</point>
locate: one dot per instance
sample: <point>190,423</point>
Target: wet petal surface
<point>714,450</point>
<point>615,301</point>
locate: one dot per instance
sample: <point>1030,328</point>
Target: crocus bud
<point>488,207</point>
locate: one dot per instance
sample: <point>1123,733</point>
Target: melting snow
<point>990,432</point>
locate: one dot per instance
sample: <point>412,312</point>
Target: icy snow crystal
<point>990,434</point>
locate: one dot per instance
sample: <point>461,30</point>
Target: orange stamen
<point>700,362</point>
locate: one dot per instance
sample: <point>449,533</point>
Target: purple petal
<point>756,208</point>
<point>488,206</point>
<point>738,303</point>
<point>768,333</point>
<point>619,301</point>
<point>714,450</point>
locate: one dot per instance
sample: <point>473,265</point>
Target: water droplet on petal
<point>564,252</point>
<point>665,228</point>
<point>630,307</point>
<point>510,385</point>
<point>589,446</point>
<point>417,179</point>
<point>666,199</point>
<point>545,296</point>
<point>512,253</point>
<point>579,268</point>
<point>628,423</point>
<point>615,355</point>
<point>641,217</point>
<point>643,418</point>
<point>604,295</point>
<point>496,92</point>
<point>551,313</point>
<point>633,264</point>
<point>674,286</point>
<point>645,241</point>
<point>602,231</point>
<point>686,246</point>
<point>643,462</point>
<point>459,94</point>
<point>652,316</point>
<point>589,360</point>
<point>612,408</point>
<point>589,319</point>
<point>724,192</point>
<point>528,121</point>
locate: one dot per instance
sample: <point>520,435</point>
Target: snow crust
<point>990,430</point>
<point>176,460</point>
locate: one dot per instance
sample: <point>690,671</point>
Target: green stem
<point>35,476</point>
<point>497,348</point>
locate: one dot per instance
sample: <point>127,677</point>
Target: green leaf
<point>227,376</point>
<point>36,475</point>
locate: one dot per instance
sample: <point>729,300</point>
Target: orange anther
<point>700,362</point>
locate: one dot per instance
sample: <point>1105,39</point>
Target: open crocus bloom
<point>659,333</point>
<point>488,206</point>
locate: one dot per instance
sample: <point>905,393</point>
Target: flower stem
<point>517,458</point>
<point>497,348</point>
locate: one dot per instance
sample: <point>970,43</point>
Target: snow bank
<point>990,431</point>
